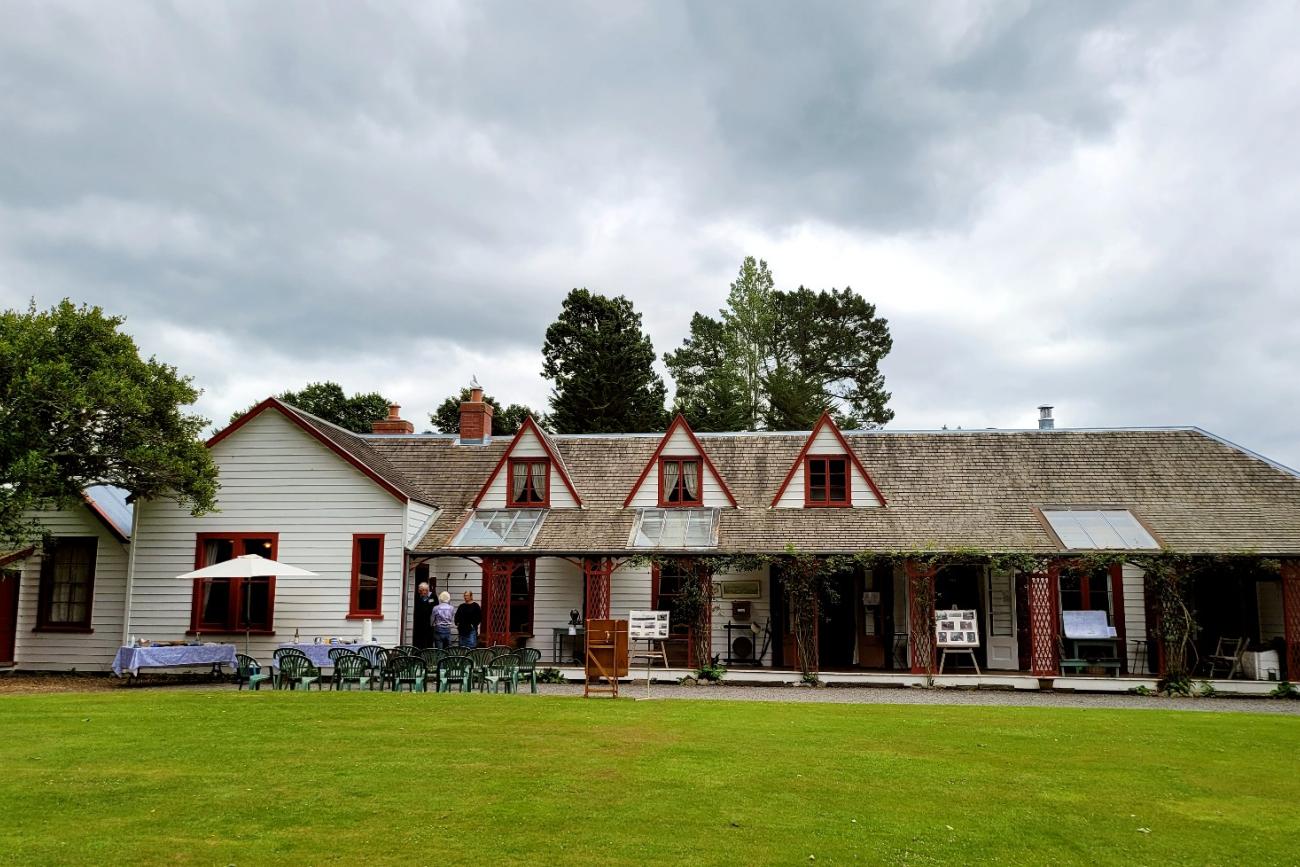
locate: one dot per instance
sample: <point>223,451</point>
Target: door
<point>1000,622</point>
<point>8,614</point>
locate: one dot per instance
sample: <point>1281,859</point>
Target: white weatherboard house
<point>538,525</point>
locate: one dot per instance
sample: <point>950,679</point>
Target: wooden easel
<point>606,656</point>
<point>970,651</point>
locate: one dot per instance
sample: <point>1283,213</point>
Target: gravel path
<point>970,697</point>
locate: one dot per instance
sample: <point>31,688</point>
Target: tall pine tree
<point>601,364</point>
<point>711,390</point>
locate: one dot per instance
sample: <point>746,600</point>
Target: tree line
<point>769,360</point>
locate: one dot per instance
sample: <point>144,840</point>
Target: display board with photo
<point>956,628</point>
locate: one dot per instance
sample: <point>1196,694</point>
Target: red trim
<point>546,445</point>
<point>511,502</point>
<point>273,403</point>
<point>679,460</point>
<point>498,576</point>
<point>17,555</point>
<point>809,502</point>
<point>1117,614</point>
<point>104,518</point>
<point>355,612</point>
<point>237,586</point>
<point>658,452</point>
<point>803,453</point>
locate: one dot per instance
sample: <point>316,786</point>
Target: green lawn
<point>221,777</point>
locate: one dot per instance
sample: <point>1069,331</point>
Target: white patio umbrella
<point>247,566</point>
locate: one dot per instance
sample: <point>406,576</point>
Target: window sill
<point>53,627</point>
<point>351,615</point>
<point>828,505</point>
<point>226,631</point>
<point>696,505</point>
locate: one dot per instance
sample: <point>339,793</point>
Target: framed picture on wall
<point>747,588</point>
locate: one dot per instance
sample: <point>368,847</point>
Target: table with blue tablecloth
<point>319,654</point>
<point>130,660</point>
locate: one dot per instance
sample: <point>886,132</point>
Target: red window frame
<point>355,611</point>
<point>45,590</point>
<point>526,503</point>
<point>699,484</point>
<point>234,607</point>
<point>826,460</point>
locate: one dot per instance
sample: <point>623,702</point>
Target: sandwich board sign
<point>647,625</point>
<point>956,628</point>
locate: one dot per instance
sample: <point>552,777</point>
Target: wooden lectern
<point>606,656</point>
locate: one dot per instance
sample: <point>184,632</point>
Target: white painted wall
<point>528,446</point>
<point>274,478</point>
<point>67,651</point>
<point>1135,611</point>
<point>679,446</point>
<point>418,518</point>
<point>825,443</point>
<point>1271,623</point>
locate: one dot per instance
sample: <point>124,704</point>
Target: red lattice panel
<point>920,603</point>
<point>496,582</point>
<point>1291,616</point>
<point>1042,624</point>
<point>598,581</point>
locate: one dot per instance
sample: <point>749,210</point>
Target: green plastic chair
<point>502,671</point>
<point>408,671</point>
<point>431,655</point>
<point>297,670</point>
<point>482,657</point>
<point>377,657</point>
<point>455,669</point>
<point>528,659</point>
<point>249,671</point>
<point>407,649</point>
<point>350,668</point>
<point>335,652</point>
<point>279,654</point>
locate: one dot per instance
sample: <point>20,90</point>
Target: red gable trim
<point>273,403</point>
<point>104,518</point>
<point>15,556</point>
<point>663,443</point>
<point>556,463</point>
<point>803,453</point>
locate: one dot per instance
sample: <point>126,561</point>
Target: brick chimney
<point>475,417</point>
<point>394,424</point>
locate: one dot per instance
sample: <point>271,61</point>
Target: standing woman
<point>443,616</point>
<point>422,631</point>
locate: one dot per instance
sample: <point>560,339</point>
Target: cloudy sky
<point>1093,205</point>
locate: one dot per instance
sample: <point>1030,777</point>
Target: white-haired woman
<point>442,618</point>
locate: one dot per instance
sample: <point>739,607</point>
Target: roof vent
<point>1045,420</point>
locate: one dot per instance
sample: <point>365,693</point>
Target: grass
<point>216,777</point>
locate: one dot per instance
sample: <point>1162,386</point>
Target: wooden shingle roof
<point>944,490</point>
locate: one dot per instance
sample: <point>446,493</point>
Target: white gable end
<point>679,445</point>
<point>527,446</point>
<point>826,444</point>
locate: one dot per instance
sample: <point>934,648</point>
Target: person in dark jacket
<point>468,616</point>
<point>422,633</point>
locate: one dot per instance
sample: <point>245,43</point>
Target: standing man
<point>443,615</point>
<point>468,616</point>
<point>422,631</point>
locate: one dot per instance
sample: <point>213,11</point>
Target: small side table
<point>558,634</point>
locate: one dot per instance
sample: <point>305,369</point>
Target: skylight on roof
<point>675,528</point>
<point>1099,529</point>
<point>500,528</point>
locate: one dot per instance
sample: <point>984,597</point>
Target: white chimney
<point>1045,420</point>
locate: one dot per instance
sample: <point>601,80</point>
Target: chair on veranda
<point>528,659</point>
<point>408,671</point>
<point>249,671</point>
<point>1226,657</point>
<point>502,671</point>
<point>298,670</point>
<point>455,669</point>
<point>350,668</point>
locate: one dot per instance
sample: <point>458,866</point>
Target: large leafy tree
<point>80,407</point>
<point>789,356</point>
<point>602,365</point>
<point>327,400</point>
<point>505,420</point>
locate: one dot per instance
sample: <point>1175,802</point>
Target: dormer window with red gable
<point>529,483</point>
<point>826,481</point>
<point>679,482</point>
